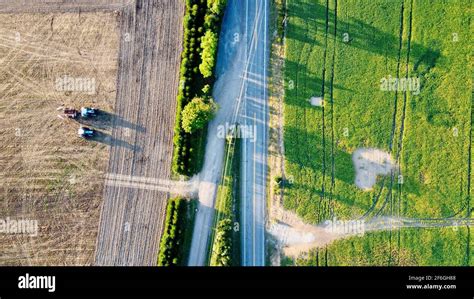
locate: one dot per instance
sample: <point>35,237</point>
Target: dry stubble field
<point>47,173</point>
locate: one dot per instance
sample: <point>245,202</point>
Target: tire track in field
<point>297,93</point>
<point>331,95</point>
<point>302,91</point>
<point>468,201</point>
<point>301,61</point>
<point>9,59</point>
<point>305,111</point>
<point>468,248</point>
<point>402,129</point>
<point>37,200</point>
<point>394,122</point>
<point>304,59</point>
<point>390,197</point>
<point>323,212</point>
<point>398,196</point>
<point>469,161</point>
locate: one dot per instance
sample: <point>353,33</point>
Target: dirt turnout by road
<point>299,237</point>
<point>150,48</point>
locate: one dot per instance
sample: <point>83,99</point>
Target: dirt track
<point>150,47</point>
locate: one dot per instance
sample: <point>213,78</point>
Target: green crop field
<point>417,247</point>
<point>341,50</point>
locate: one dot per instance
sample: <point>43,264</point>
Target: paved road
<point>254,116</point>
<point>132,216</point>
<point>226,90</point>
<point>240,93</point>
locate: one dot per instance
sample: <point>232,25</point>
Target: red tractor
<point>71,112</point>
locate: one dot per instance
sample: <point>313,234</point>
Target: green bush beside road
<point>176,237</point>
<point>197,114</point>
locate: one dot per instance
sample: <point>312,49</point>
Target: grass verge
<point>225,241</point>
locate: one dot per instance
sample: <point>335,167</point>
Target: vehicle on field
<point>89,112</point>
<point>71,113</point>
<point>85,132</point>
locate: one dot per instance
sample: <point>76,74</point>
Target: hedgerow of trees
<point>173,235</point>
<point>201,31</point>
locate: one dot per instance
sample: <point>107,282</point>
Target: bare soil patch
<point>369,163</point>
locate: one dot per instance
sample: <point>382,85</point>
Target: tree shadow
<point>311,156</point>
<point>312,82</point>
<point>339,198</point>
<point>361,34</point>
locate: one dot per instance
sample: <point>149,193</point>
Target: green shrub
<point>208,54</point>
<point>216,6</point>
<point>223,244</point>
<point>197,114</point>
